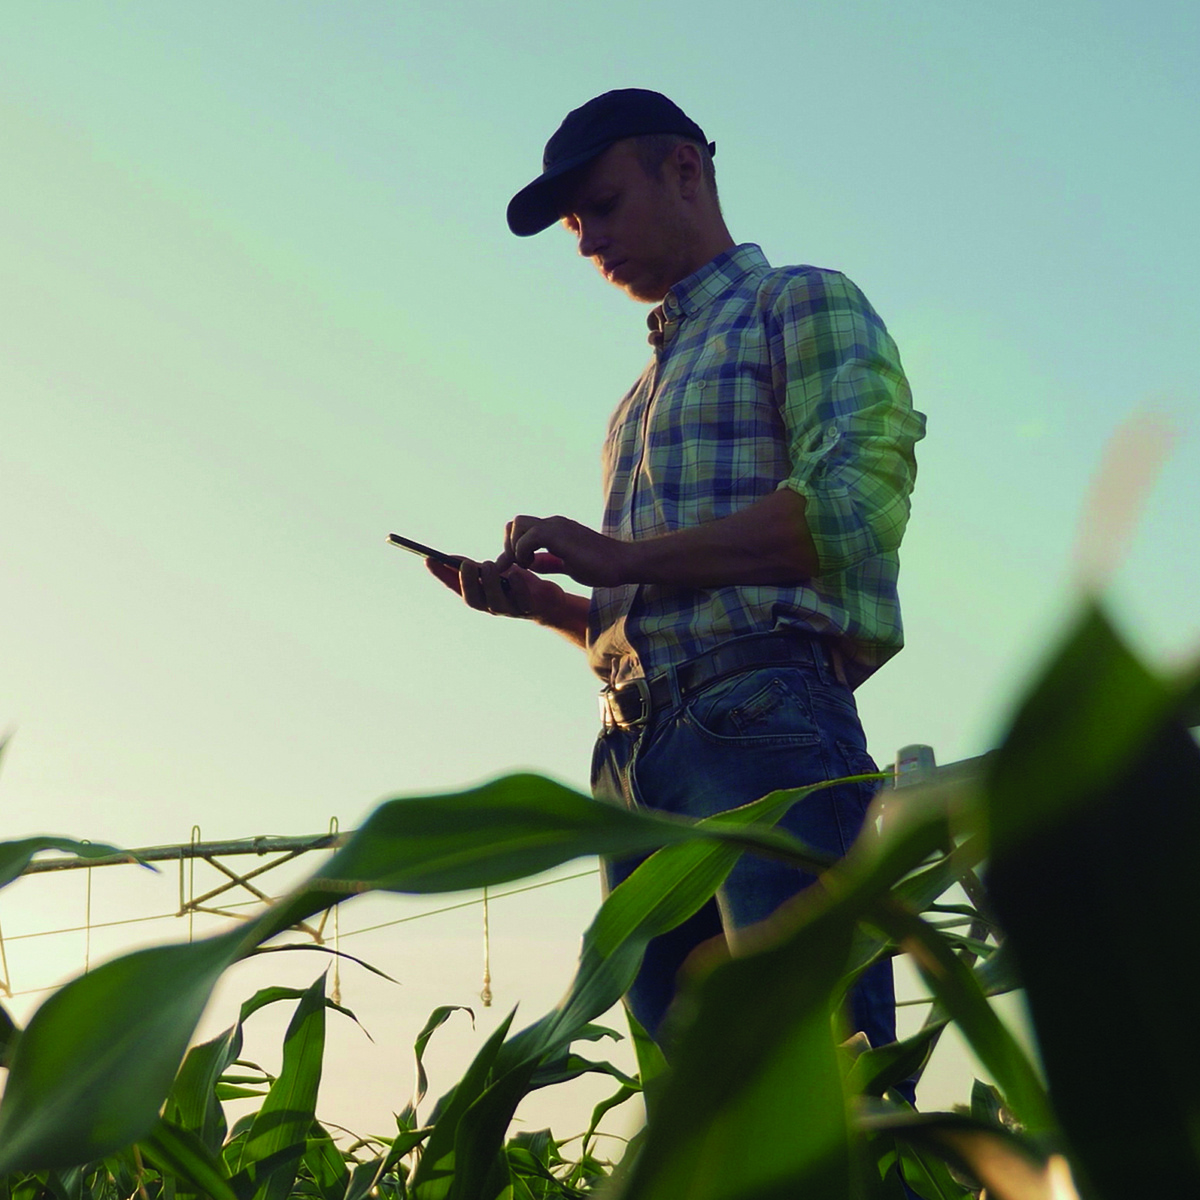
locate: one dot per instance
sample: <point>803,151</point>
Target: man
<point>757,478</point>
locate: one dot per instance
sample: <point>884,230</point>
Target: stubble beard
<point>667,268</point>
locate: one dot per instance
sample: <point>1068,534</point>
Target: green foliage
<point>766,1076</point>
<point>1098,900</point>
<point>1087,818</point>
<point>90,1073</point>
<point>277,1138</point>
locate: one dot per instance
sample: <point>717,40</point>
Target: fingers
<point>519,593</point>
<point>530,536</point>
<point>471,584</point>
<point>522,537</point>
<point>532,597</point>
<point>512,534</point>
<point>548,564</point>
<point>558,545</point>
<point>485,588</point>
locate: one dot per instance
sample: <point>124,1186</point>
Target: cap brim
<point>538,205</point>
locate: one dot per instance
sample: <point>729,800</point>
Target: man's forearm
<point>568,617</point>
<point>766,543</point>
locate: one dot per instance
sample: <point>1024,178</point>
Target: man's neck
<point>706,250</point>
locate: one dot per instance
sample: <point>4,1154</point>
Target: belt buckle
<point>610,713</point>
<point>643,691</point>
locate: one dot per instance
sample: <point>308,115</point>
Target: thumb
<point>447,575</point>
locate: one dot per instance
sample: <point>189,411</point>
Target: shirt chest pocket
<point>718,404</point>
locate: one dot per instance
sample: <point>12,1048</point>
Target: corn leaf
<point>438,1168</point>
<point>1005,1163</point>
<point>437,1019</point>
<point>93,1067</point>
<point>278,1135</point>
<point>512,827</point>
<point>325,1164</point>
<point>8,1036</point>
<point>193,1101</point>
<point>1092,710</point>
<point>882,1067</point>
<point>753,1105</point>
<point>1097,895</point>
<point>959,993</point>
<point>179,1152</point>
<point>202,1079</point>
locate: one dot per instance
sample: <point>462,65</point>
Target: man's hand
<point>482,586</point>
<point>510,593</point>
<point>569,548</point>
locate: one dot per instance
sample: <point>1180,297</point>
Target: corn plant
<point>1085,823</point>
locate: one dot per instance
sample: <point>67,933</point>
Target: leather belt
<point>632,704</point>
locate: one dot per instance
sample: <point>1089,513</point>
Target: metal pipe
<point>146,854</point>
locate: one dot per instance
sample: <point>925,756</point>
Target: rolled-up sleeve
<point>848,414</point>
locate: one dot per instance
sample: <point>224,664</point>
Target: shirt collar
<point>702,287</point>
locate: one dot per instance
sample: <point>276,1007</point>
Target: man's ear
<point>689,170</point>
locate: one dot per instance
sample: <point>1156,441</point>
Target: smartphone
<point>447,560</point>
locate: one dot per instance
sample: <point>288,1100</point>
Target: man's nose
<point>591,242</point>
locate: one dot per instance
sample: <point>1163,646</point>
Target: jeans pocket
<point>856,760</point>
<point>765,706</point>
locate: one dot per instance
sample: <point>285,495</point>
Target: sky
<point>261,308</point>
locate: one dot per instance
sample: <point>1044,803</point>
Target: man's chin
<point>642,291</point>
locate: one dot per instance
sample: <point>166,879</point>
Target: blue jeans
<point>729,743</point>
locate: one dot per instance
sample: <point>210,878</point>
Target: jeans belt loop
<point>839,665</point>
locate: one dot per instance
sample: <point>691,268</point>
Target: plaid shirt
<point>762,378</point>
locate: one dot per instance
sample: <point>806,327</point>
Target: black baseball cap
<point>585,134</point>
